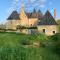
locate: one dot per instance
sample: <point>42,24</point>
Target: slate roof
<point>29,15</point>
<point>47,19</point>
<point>35,14</point>
<point>14,16</point>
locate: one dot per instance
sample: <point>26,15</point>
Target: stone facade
<point>33,22</point>
<point>47,25</point>
<point>12,24</point>
<point>48,29</point>
<point>23,18</point>
<point>24,21</point>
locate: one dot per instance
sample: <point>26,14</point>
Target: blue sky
<point>7,6</point>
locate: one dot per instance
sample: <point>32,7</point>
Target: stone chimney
<point>54,13</point>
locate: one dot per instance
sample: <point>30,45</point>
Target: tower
<point>23,17</point>
<point>54,13</point>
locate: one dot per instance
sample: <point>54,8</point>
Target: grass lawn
<point>14,39</point>
<point>11,49</point>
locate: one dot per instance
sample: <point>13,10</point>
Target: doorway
<point>43,30</point>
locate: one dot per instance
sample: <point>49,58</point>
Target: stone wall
<point>49,29</point>
<point>33,21</point>
<point>12,24</point>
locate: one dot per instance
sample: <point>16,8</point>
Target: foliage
<point>59,28</point>
<point>21,27</point>
<point>42,37</point>
<point>55,43</point>
<point>24,27</point>
<point>58,21</point>
<point>25,42</point>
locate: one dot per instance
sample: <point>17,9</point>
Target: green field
<point>12,47</point>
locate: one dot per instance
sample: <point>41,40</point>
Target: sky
<point>7,6</point>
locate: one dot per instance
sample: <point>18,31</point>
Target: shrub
<point>42,37</point>
<point>25,42</point>
<point>55,43</point>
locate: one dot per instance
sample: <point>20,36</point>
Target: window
<point>54,32</point>
<point>43,30</point>
<point>31,24</point>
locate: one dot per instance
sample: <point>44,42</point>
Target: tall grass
<point>21,53</point>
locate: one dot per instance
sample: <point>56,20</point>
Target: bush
<point>25,42</point>
<point>55,43</point>
<point>42,37</point>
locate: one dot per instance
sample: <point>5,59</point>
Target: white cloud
<point>9,11</point>
<point>42,3</point>
<point>42,6</point>
<point>15,2</point>
<point>12,7</point>
<point>32,1</point>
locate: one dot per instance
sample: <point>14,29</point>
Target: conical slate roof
<point>14,16</point>
<point>34,14</point>
<point>40,15</point>
<point>47,19</point>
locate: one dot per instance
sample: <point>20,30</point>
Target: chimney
<point>55,13</point>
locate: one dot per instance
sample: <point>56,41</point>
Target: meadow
<point>13,47</point>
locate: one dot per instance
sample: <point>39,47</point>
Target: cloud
<point>39,3</point>
<point>29,3</point>
<point>9,11</point>
<point>32,1</point>
<point>12,7</point>
<point>42,3</point>
<point>42,6</point>
<point>15,2</point>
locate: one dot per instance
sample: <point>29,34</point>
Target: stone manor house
<point>32,22</point>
